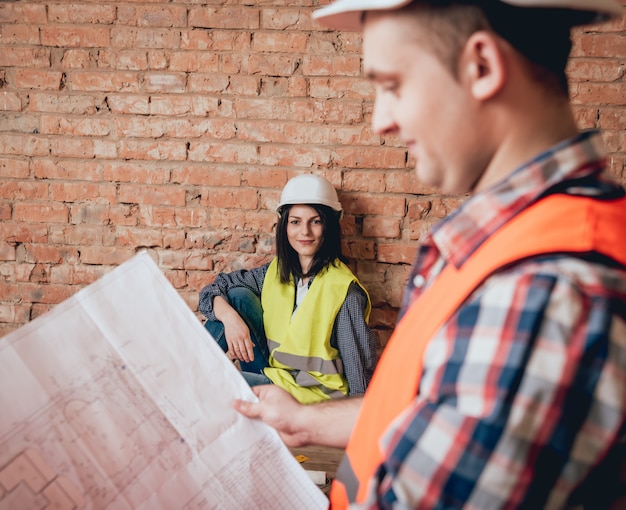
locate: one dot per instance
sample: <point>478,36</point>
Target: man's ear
<point>483,65</point>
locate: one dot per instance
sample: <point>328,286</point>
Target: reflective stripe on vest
<point>555,224</point>
<point>302,360</point>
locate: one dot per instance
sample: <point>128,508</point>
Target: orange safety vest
<point>556,224</point>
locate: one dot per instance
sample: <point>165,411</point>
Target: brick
<point>340,87</point>
<point>342,65</point>
<point>265,177</point>
<point>305,157</point>
<point>72,148</point>
<point>38,79</point>
<point>22,13</point>
<point>131,60</point>
<point>380,204</point>
<point>23,190</point>
<point>612,120</point>
<point>47,294</point>
<point>273,64</point>
<point>223,152</point>
<point>81,191</point>
<point>284,42</point>
<point>14,168</point>
<point>215,40</point>
<point>187,61</point>
<point>59,103</point>
<point>156,195</point>
<point>396,253</point>
<point>366,157</point>
<point>19,123</point>
<point>139,105</point>
<point>599,45</point>
<point>153,150</point>
<point>162,82</point>
<point>138,236</point>
<point>405,181</point>
<point>77,126</point>
<point>11,101</point>
<point>19,34</point>
<point>122,37</point>
<point>358,180</point>
<point>386,228</point>
<point>261,108</point>
<point>580,70</point>
<point>152,15</point>
<point>242,219</point>
<point>224,18</point>
<point>24,57</point>
<point>207,83</point>
<point>145,173</point>
<point>66,169</point>
<point>75,37</point>
<point>19,231</point>
<point>419,228</point>
<point>105,255</point>
<point>76,235</point>
<point>286,19</point>
<point>35,212</point>
<point>203,175</point>
<point>105,82</point>
<point>81,13</point>
<point>360,249</point>
<point>7,251</point>
<point>230,198</point>
<point>23,144</point>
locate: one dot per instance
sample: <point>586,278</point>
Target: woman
<point>299,321</point>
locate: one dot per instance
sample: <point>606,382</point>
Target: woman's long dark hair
<point>329,251</point>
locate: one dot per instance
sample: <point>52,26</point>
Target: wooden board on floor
<point>320,458</point>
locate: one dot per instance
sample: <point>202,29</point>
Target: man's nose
<point>382,119</point>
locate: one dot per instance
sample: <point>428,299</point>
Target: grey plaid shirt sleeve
<point>251,279</point>
<point>355,340</point>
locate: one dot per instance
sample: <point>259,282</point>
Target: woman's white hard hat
<point>309,189</point>
<point>346,14</point>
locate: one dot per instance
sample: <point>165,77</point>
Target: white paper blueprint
<point>118,398</point>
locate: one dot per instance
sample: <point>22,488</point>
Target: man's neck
<point>525,134</point>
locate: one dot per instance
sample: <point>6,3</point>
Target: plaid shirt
<point>522,402</point>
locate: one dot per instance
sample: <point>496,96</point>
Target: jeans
<point>248,306</point>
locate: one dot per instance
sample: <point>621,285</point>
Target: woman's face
<point>305,232</point>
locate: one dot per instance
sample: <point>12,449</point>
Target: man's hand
<point>279,409</point>
<point>328,423</point>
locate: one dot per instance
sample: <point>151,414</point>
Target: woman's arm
<point>251,279</point>
<point>356,342</point>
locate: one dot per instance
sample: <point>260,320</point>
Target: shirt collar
<point>458,236</point>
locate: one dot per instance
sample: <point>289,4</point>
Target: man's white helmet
<point>346,14</point>
<point>309,189</point>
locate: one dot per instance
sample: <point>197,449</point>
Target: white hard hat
<point>309,189</point>
<point>346,14</point>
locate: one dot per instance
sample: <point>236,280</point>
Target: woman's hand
<point>238,339</point>
<point>236,331</point>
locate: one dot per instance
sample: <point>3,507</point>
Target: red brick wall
<point>172,127</point>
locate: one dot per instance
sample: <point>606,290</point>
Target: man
<point>504,384</point>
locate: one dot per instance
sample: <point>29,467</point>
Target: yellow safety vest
<point>556,224</point>
<point>302,361</point>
